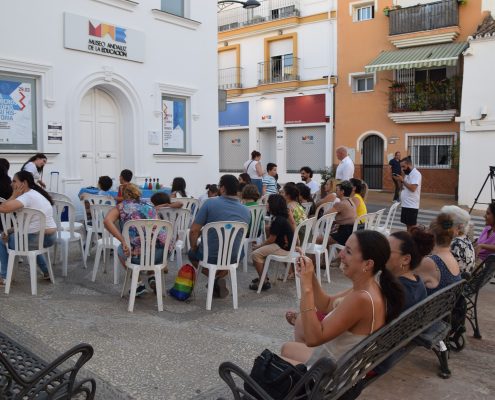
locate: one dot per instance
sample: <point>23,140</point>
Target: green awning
<point>438,55</point>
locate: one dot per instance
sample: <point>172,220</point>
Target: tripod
<point>491,176</point>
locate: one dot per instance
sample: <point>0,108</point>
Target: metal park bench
<point>24,375</point>
<point>348,376</point>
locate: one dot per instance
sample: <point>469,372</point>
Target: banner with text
<point>174,124</point>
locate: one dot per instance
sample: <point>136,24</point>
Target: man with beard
<point>411,191</point>
<point>306,177</point>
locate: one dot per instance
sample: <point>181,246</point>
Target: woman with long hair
<point>352,314</point>
<point>178,188</point>
<point>440,269</point>
<point>26,193</point>
<point>35,166</point>
<point>5,181</point>
<point>278,241</point>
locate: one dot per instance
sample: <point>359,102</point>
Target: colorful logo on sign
<point>307,138</point>
<point>236,141</point>
<point>266,118</point>
<point>115,32</point>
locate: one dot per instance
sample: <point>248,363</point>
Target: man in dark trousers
<point>396,171</point>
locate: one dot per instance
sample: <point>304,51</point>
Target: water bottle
<point>157,184</point>
<point>153,184</point>
<point>145,186</point>
<point>149,185</point>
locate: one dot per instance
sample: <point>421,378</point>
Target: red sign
<point>305,109</point>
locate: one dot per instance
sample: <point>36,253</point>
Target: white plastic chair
<point>92,199</point>
<point>148,231</point>
<point>105,242</point>
<point>180,219</point>
<point>322,227</point>
<point>66,224</point>
<point>21,223</point>
<point>256,231</point>
<point>188,203</point>
<point>231,236</point>
<point>386,228</point>
<point>6,218</point>
<point>376,220</point>
<point>65,237</point>
<point>325,207</point>
<point>365,220</point>
<point>291,256</point>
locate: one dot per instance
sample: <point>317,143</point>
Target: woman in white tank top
<point>352,314</point>
<point>254,169</point>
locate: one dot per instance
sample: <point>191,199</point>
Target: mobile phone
<point>394,174</point>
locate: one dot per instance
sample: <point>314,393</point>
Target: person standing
<point>307,178</point>
<point>35,166</point>
<point>254,169</point>
<point>345,170</point>
<point>410,194</point>
<point>396,171</point>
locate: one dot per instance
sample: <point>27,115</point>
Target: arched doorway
<point>99,136</point>
<point>373,161</point>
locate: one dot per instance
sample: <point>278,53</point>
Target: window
<point>18,124</point>
<point>175,7</point>
<point>174,124</point>
<point>431,151</point>
<point>364,13</point>
<point>363,83</point>
<point>282,67</point>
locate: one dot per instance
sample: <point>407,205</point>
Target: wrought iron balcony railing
<point>233,18</point>
<point>424,17</point>
<point>278,70</point>
<point>230,78</point>
<point>425,96</point>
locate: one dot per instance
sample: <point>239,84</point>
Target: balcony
<point>230,78</point>
<point>270,10</point>
<point>278,70</point>
<point>424,17</point>
<point>434,101</point>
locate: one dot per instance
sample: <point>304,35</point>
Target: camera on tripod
<point>492,169</point>
<point>491,177</point>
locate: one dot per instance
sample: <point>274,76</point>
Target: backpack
<point>184,283</point>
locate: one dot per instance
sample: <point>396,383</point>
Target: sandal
<point>267,285</point>
<point>291,317</point>
<point>255,280</point>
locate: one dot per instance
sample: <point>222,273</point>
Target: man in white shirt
<point>411,192</point>
<point>345,170</point>
<point>306,175</point>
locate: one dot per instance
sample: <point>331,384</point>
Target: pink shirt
<point>485,239</point>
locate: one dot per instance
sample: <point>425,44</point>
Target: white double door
<point>100,144</point>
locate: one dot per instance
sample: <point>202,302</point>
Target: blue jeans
<point>259,184</point>
<point>32,244</point>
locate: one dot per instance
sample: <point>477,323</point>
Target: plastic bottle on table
<point>145,186</point>
<point>157,184</point>
<point>149,185</point>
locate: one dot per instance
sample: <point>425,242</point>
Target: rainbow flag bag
<point>184,283</point>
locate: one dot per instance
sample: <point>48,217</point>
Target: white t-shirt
<point>250,168</point>
<point>345,170</point>
<point>33,199</point>
<point>408,198</point>
<point>313,186</point>
<point>31,167</point>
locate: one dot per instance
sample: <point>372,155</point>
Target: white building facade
<point>477,136</point>
<point>277,63</point>
<point>103,85</point>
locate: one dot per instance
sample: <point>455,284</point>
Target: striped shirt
<point>271,184</point>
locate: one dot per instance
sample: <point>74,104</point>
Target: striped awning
<point>438,55</point>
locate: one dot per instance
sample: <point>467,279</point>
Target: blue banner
<point>237,114</point>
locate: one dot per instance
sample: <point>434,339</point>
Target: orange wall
<point>358,44</point>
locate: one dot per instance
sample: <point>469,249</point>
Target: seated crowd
<point>387,274</point>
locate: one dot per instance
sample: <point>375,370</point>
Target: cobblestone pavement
<point>175,354</point>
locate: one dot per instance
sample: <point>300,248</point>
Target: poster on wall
<point>174,124</point>
<point>16,112</point>
<point>55,132</point>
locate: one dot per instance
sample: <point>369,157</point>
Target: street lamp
<point>248,4</point>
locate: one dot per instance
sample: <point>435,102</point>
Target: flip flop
<point>291,317</point>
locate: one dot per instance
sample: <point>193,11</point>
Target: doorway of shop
<point>267,146</point>
<point>100,145</point>
<point>373,161</point>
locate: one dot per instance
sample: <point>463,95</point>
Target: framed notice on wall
<point>174,124</point>
<point>17,112</point>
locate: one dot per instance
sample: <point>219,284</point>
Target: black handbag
<point>276,376</point>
